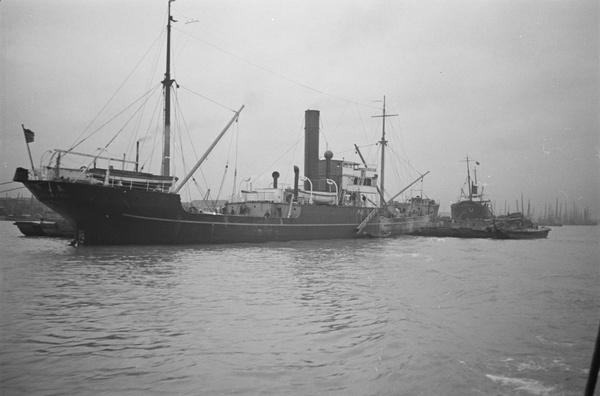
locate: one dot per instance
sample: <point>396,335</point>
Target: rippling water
<point>418,316</point>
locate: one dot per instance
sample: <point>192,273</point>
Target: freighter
<point>107,206</point>
<point>471,204</point>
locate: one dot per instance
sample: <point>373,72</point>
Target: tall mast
<point>469,181</point>
<point>383,143</point>
<point>167,82</point>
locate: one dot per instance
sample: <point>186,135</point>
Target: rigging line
<point>322,132</point>
<point>198,187</point>
<point>340,120</point>
<point>179,120</point>
<point>362,123</point>
<point>147,94</point>
<point>275,73</point>
<point>12,189</point>
<point>120,130</point>
<point>226,168</point>
<point>12,181</point>
<point>221,185</point>
<point>181,45</point>
<point>157,130</point>
<point>115,94</point>
<point>176,148</point>
<point>147,135</point>
<point>186,128</point>
<point>282,155</point>
<point>404,161</point>
<point>149,84</point>
<point>301,137</point>
<point>179,127</point>
<point>237,140</point>
<point>210,100</point>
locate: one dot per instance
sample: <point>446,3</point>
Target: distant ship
<point>108,206</point>
<point>471,205</point>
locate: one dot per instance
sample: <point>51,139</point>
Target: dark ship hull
<point>455,232</point>
<point>465,210</point>
<point>115,215</point>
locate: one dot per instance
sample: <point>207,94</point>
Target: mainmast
<point>472,185</point>
<point>383,143</point>
<point>469,181</point>
<point>167,82</point>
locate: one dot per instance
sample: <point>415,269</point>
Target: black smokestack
<point>311,146</point>
<point>296,178</point>
<point>275,177</point>
<point>328,156</point>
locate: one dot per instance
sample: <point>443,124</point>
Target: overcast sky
<point>513,84</point>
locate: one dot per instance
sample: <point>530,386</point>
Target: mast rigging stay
<point>210,148</point>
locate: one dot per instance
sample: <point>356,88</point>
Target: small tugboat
<point>517,226</point>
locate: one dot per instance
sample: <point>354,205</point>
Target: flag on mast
<point>29,135</point>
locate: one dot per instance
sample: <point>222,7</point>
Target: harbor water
<point>402,316</point>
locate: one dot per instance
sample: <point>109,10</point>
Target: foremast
<point>167,82</point>
<point>383,143</point>
<point>471,185</point>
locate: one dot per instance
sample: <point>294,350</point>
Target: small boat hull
<point>526,233</point>
<point>58,229</point>
<point>30,228</point>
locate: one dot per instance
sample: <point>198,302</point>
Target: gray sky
<point>513,84</point>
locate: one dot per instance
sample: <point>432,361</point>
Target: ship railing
<point>132,180</point>
<point>264,194</point>
<point>58,155</point>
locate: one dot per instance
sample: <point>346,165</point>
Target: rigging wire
<point>123,127</point>
<point>117,115</point>
<point>149,84</point>
<point>224,174</point>
<point>113,96</point>
<point>208,99</point>
<point>12,189</point>
<point>279,158</point>
<point>339,121</point>
<point>221,185</point>
<point>156,117</point>
<point>180,127</point>
<point>288,79</point>
<point>237,139</point>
